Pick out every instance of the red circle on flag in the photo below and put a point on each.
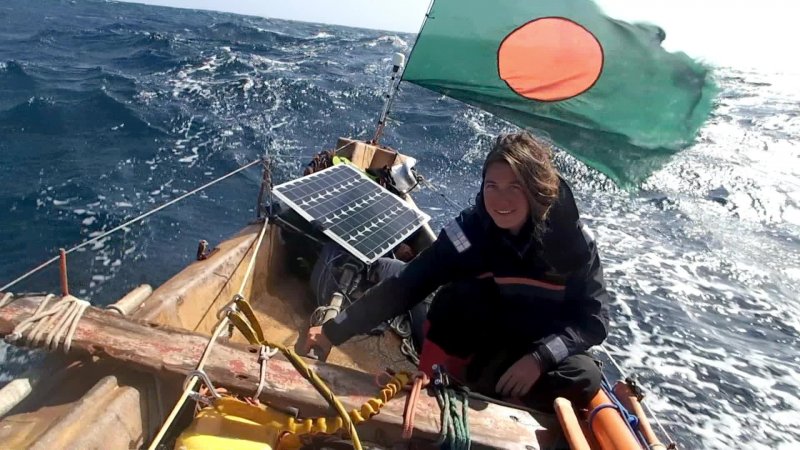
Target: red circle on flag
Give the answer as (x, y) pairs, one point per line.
(550, 59)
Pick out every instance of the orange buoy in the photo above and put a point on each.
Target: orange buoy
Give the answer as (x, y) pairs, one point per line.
(629, 400)
(608, 425)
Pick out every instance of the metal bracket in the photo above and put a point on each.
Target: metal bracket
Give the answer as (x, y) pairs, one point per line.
(199, 373)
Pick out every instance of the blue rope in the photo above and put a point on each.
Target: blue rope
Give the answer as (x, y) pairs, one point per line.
(597, 410)
(630, 419)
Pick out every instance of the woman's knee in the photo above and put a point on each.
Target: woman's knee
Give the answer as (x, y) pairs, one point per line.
(585, 376)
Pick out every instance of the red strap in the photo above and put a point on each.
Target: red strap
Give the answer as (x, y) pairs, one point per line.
(421, 380)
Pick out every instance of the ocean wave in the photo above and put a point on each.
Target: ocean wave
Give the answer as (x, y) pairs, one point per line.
(16, 85)
(393, 40)
(13, 77)
(91, 113)
(238, 33)
(322, 35)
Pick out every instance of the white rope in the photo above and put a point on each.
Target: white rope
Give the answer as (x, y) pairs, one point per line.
(613, 361)
(625, 375)
(189, 388)
(264, 354)
(27, 323)
(7, 297)
(58, 323)
(442, 194)
(126, 224)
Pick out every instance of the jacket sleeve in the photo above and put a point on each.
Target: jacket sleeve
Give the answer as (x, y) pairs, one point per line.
(588, 325)
(433, 267)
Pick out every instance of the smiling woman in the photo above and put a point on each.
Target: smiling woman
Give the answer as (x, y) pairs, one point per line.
(522, 295)
(519, 182)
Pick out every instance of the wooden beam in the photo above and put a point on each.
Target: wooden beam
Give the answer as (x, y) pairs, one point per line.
(168, 351)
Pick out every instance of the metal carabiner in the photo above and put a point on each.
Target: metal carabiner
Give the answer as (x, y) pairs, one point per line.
(230, 307)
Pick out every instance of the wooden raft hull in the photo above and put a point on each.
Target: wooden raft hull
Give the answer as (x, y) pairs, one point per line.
(123, 375)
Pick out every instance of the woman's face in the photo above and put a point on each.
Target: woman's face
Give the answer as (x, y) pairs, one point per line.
(504, 197)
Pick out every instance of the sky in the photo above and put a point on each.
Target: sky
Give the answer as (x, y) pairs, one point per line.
(738, 33)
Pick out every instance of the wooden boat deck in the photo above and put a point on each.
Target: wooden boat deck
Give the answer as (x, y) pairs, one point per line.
(124, 376)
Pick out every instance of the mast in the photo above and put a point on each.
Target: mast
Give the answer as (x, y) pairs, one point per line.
(398, 63)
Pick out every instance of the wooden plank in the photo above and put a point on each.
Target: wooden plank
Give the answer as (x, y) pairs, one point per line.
(169, 351)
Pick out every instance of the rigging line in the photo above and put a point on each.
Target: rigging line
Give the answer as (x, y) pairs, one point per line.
(416, 39)
(221, 325)
(445, 197)
(130, 222)
(625, 375)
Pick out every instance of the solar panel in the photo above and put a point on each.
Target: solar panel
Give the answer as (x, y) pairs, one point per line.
(353, 210)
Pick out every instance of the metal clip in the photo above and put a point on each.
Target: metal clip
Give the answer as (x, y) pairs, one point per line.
(230, 307)
(204, 399)
(199, 373)
(440, 378)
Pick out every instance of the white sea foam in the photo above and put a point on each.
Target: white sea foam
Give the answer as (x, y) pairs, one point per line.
(394, 40)
(322, 35)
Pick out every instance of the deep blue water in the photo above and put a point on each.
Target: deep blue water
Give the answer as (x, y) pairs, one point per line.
(109, 109)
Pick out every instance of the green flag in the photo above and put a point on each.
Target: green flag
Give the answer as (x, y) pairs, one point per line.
(601, 89)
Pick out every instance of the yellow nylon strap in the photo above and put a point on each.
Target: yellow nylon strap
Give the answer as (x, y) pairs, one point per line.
(245, 327)
(247, 310)
(246, 322)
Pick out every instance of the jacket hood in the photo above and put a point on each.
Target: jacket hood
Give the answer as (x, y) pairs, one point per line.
(563, 245)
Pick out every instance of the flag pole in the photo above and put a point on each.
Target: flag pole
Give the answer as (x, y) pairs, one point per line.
(398, 64)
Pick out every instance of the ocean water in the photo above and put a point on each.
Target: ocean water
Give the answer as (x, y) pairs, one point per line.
(109, 109)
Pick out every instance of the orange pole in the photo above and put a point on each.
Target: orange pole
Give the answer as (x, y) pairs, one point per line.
(629, 400)
(570, 425)
(609, 427)
(64, 282)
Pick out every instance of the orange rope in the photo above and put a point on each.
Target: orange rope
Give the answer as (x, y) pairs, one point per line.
(421, 380)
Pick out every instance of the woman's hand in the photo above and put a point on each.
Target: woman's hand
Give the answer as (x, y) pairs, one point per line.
(520, 377)
(316, 339)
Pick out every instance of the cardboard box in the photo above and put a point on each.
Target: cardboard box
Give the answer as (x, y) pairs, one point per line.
(367, 156)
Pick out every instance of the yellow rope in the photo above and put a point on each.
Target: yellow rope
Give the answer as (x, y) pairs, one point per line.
(284, 431)
(247, 323)
(357, 416)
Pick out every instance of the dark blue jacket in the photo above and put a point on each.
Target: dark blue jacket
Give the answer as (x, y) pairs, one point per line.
(552, 293)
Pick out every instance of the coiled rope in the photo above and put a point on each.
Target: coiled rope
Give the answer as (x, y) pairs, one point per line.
(454, 405)
(58, 322)
(7, 298)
